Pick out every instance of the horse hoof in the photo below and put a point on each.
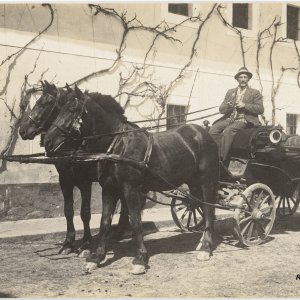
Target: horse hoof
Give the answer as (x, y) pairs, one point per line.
(84, 253)
(138, 270)
(203, 256)
(65, 251)
(90, 266)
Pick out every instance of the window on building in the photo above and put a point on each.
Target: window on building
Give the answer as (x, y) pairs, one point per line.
(242, 15)
(292, 23)
(179, 9)
(175, 115)
(291, 124)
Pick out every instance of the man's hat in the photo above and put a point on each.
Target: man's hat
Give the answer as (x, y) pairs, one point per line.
(243, 70)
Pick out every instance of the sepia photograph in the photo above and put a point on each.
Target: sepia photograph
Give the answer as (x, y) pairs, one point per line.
(149, 149)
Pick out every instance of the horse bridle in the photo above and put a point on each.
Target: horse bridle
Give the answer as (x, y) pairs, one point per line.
(76, 118)
(42, 126)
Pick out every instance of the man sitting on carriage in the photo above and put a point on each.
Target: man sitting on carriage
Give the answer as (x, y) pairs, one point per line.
(241, 108)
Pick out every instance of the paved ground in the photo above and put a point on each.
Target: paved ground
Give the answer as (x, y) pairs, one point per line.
(31, 267)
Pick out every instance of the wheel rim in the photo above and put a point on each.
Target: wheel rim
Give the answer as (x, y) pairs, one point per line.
(256, 219)
(186, 216)
(287, 204)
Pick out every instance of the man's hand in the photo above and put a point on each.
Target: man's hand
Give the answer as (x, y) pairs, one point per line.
(240, 105)
(231, 103)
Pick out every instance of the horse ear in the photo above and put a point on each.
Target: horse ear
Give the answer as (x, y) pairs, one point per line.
(77, 90)
(68, 87)
(47, 84)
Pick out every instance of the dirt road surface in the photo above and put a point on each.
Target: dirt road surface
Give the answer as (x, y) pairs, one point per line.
(33, 268)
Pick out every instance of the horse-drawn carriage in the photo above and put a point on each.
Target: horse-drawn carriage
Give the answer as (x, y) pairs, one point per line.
(262, 167)
(261, 181)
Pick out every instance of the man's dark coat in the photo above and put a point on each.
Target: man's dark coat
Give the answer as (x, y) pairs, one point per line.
(253, 105)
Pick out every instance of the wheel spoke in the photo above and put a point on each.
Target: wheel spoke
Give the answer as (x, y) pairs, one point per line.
(189, 219)
(279, 203)
(179, 208)
(259, 196)
(293, 200)
(289, 205)
(283, 205)
(245, 220)
(262, 191)
(256, 231)
(246, 227)
(199, 211)
(195, 217)
(249, 203)
(264, 201)
(184, 214)
(249, 234)
(260, 226)
(249, 213)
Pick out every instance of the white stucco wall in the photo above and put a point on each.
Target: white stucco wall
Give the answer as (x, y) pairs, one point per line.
(68, 52)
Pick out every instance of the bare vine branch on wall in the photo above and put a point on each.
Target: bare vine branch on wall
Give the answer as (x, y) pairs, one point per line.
(264, 34)
(25, 91)
(236, 30)
(35, 38)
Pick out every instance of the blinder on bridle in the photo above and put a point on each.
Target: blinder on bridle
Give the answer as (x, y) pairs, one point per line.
(49, 112)
(73, 129)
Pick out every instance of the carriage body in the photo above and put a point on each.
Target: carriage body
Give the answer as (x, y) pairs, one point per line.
(267, 155)
(260, 182)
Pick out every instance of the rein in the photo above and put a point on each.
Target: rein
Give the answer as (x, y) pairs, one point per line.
(99, 136)
(171, 117)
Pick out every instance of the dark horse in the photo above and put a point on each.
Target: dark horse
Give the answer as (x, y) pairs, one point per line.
(186, 154)
(39, 120)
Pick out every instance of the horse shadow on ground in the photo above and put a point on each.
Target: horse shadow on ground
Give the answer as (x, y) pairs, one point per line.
(177, 242)
(186, 242)
(181, 242)
(6, 295)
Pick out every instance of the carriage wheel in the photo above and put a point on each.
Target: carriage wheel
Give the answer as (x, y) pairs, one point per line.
(288, 201)
(187, 216)
(255, 220)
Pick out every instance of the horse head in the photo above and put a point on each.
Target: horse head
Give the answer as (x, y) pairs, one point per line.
(44, 112)
(67, 125)
(84, 114)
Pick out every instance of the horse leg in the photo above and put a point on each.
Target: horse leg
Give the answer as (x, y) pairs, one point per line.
(109, 201)
(206, 243)
(85, 213)
(123, 223)
(134, 202)
(67, 190)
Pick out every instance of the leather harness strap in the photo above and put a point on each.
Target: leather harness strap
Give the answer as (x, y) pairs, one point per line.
(148, 150)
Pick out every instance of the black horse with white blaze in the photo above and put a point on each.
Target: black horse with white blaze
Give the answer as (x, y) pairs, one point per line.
(186, 154)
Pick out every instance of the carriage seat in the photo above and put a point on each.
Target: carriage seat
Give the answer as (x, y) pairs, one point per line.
(250, 142)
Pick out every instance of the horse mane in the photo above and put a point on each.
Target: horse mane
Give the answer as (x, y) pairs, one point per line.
(108, 103)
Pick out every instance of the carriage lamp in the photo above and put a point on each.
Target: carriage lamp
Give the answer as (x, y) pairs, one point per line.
(275, 136)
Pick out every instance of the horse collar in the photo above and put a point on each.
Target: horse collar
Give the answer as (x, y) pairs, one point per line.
(148, 150)
(112, 145)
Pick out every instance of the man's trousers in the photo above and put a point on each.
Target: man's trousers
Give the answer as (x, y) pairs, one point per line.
(223, 133)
